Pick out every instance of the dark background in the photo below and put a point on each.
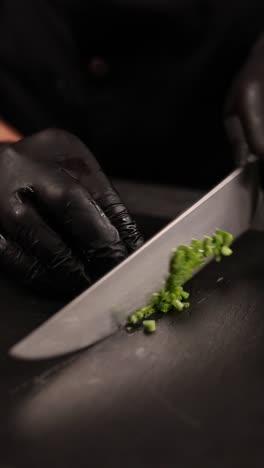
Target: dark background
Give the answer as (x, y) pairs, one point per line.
(152, 110)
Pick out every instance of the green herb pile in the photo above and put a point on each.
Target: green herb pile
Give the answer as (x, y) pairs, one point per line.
(185, 260)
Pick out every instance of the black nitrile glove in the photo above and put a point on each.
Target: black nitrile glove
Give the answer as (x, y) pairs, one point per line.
(62, 224)
(244, 110)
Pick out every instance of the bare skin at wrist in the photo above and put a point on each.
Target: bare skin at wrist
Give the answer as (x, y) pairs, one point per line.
(8, 133)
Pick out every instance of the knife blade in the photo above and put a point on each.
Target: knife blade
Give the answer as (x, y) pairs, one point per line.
(103, 308)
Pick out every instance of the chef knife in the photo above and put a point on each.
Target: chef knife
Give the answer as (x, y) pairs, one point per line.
(103, 308)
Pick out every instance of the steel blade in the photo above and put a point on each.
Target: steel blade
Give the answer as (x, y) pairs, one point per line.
(104, 307)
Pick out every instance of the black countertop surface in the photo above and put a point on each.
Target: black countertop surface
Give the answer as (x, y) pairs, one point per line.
(190, 395)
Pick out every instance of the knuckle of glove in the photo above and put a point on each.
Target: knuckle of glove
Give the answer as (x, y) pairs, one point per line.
(18, 213)
(15, 221)
(52, 136)
(57, 194)
(69, 148)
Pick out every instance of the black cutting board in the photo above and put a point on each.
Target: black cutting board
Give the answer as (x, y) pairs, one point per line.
(192, 395)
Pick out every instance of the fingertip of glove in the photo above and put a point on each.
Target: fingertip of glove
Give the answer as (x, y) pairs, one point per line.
(132, 237)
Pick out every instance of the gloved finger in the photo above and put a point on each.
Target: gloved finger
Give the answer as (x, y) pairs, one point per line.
(251, 112)
(237, 139)
(27, 270)
(119, 216)
(26, 227)
(105, 195)
(85, 225)
(246, 99)
(79, 163)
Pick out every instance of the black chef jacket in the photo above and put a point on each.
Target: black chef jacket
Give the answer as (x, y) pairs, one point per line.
(142, 82)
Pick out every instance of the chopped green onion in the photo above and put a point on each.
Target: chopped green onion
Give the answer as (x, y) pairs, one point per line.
(184, 261)
(226, 251)
(178, 305)
(140, 314)
(149, 326)
(133, 319)
(185, 294)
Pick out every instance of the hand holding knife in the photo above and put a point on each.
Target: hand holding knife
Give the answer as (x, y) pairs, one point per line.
(231, 206)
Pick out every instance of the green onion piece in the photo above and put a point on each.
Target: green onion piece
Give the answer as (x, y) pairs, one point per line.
(218, 238)
(185, 294)
(164, 307)
(149, 326)
(140, 314)
(208, 251)
(197, 244)
(226, 251)
(133, 318)
(149, 310)
(178, 305)
(155, 299)
(184, 261)
(226, 236)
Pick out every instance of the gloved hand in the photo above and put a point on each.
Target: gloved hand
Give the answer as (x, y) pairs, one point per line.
(62, 224)
(244, 110)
